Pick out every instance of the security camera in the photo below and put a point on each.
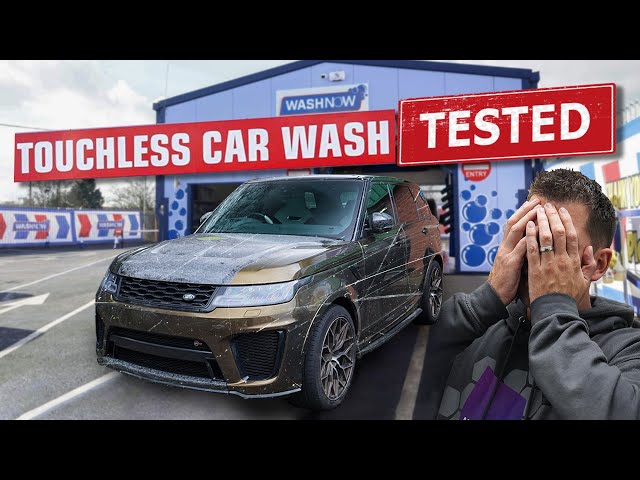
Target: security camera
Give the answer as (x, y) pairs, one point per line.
(323, 76)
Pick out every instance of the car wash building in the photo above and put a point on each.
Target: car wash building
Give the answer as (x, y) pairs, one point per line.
(484, 194)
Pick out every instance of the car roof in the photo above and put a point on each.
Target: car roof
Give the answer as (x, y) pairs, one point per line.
(330, 177)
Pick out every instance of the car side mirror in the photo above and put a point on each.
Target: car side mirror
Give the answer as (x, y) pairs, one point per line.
(204, 217)
(380, 222)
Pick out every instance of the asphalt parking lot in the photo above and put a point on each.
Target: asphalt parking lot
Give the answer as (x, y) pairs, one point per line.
(48, 367)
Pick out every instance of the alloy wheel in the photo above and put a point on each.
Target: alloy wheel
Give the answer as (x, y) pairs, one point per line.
(435, 291)
(338, 358)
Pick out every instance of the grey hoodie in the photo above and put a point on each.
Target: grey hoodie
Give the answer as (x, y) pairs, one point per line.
(487, 361)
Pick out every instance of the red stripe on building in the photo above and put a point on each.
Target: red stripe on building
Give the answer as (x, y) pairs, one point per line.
(3, 226)
(611, 171)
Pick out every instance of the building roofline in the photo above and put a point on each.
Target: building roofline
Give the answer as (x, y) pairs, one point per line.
(523, 73)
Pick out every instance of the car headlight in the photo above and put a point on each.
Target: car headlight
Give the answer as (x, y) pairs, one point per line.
(109, 283)
(256, 295)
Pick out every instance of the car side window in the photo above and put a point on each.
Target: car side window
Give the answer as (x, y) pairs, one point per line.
(405, 204)
(426, 206)
(379, 200)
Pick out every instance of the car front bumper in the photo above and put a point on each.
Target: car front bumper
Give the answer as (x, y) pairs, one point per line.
(232, 358)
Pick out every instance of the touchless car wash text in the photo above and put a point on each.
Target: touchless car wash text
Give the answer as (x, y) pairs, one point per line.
(209, 141)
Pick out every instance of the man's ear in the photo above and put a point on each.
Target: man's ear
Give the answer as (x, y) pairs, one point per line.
(602, 258)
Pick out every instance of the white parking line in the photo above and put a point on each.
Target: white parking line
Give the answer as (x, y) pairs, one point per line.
(31, 414)
(407, 403)
(43, 329)
(55, 275)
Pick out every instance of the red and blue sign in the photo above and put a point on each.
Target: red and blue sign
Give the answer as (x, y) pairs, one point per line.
(100, 225)
(35, 226)
(41, 226)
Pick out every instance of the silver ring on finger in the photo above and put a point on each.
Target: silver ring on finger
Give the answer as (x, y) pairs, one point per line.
(547, 248)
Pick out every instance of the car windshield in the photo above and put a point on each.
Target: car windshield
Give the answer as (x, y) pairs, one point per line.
(313, 207)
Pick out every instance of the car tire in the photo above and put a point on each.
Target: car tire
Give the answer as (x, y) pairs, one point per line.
(432, 294)
(326, 377)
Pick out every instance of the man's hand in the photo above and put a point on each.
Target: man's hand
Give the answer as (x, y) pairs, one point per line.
(558, 270)
(505, 274)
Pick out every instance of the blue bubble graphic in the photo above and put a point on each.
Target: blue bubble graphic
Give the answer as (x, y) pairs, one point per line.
(473, 212)
(473, 255)
(473, 187)
(481, 199)
(493, 228)
(179, 225)
(180, 194)
(465, 194)
(173, 234)
(492, 255)
(170, 213)
(508, 213)
(494, 193)
(175, 205)
(183, 212)
(495, 213)
(479, 236)
(466, 226)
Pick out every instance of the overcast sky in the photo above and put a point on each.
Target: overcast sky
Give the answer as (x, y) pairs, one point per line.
(53, 94)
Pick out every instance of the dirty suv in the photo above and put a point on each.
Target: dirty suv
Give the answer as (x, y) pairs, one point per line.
(278, 292)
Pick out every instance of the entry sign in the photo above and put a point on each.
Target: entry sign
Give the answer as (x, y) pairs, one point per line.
(547, 122)
(476, 172)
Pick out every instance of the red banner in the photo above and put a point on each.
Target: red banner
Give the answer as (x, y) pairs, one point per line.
(292, 142)
(547, 122)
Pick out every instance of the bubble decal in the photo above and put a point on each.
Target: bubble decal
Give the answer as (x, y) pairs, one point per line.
(473, 255)
(474, 213)
(493, 228)
(479, 235)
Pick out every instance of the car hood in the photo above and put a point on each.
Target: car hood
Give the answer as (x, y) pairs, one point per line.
(234, 258)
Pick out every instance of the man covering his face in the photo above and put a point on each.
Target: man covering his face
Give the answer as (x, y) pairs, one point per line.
(531, 343)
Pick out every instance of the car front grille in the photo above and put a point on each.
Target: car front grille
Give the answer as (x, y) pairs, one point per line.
(171, 365)
(258, 354)
(206, 367)
(159, 339)
(169, 295)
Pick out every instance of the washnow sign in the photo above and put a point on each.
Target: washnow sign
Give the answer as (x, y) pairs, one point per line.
(343, 98)
(295, 142)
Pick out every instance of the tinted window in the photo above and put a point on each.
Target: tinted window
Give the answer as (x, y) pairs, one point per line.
(294, 207)
(405, 205)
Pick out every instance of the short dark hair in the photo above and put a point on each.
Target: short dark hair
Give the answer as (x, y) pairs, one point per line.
(563, 185)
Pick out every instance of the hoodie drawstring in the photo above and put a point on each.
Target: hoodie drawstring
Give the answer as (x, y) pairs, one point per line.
(500, 375)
